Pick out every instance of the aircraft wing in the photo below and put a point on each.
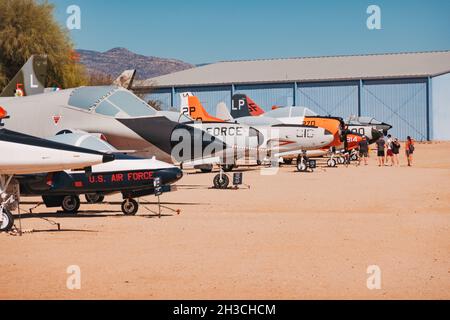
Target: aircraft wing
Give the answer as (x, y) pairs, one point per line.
(28, 154)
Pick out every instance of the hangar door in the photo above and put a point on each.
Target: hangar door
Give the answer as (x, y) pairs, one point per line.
(267, 96)
(162, 97)
(334, 98)
(401, 103)
(208, 96)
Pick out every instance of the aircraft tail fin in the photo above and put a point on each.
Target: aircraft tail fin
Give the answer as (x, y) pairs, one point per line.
(126, 79)
(243, 106)
(184, 106)
(222, 112)
(253, 108)
(191, 104)
(30, 80)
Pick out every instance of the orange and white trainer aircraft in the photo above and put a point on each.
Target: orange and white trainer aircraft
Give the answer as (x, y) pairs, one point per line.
(275, 138)
(346, 136)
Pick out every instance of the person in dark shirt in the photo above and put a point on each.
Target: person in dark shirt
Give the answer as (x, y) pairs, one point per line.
(409, 150)
(396, 150)
(363, 150)
(380, 153)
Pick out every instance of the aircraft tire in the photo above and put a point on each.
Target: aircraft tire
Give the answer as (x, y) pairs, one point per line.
(341, 160)
(93, 198)
(354, 157)
(130, 207)
(301, 166)
(221, 183)
(71, 204)
(7, 221)
(331, 163)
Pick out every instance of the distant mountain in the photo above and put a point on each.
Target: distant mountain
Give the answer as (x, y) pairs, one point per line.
(113, 62)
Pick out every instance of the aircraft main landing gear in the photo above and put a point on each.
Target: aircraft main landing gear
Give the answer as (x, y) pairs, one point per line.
(6, 220)
(354, 157)
(71, 204)
(8, 202)
(130, 207)
(331, 163)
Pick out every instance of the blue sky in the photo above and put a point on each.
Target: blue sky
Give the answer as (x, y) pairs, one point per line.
(201, 31)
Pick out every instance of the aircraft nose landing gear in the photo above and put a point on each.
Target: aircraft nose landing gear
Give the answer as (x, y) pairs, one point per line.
(221, 181)
(303, 164)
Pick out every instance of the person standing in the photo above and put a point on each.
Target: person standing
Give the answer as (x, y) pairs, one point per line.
(363, 150)
(389, 153)
(409, 146)
(395, 151)
(380, 153)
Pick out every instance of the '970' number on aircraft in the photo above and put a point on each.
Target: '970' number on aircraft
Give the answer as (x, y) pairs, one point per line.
(309, 123)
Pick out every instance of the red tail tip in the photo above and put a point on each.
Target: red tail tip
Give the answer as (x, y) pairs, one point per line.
(3, 113)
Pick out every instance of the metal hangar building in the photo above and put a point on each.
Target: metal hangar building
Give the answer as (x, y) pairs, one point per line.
(411, 91)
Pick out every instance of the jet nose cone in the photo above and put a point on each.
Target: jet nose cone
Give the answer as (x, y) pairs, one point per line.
(170, 175)
(178, 173)
(385, 128)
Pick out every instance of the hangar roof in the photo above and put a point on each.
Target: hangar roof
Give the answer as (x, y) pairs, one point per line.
(310, 69)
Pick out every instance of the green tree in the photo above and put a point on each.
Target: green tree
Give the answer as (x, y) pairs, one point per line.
(28, 27)
(2, 77)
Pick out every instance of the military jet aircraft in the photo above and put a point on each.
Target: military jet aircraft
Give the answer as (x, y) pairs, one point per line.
(355, 124)
(126, 121)
(129, 175)
(24, 154)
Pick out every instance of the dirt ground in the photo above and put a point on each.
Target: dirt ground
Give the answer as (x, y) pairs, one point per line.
(288, 236)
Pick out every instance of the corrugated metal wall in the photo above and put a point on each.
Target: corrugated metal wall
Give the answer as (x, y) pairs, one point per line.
(440, 87)
(401, 103)
(269, 95)
(162, 96)
(337, 99)
(208, 96)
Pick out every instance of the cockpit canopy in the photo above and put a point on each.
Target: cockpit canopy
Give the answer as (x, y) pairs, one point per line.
(362, 120)
(287, 112)
(84, 140)
(110, 101)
